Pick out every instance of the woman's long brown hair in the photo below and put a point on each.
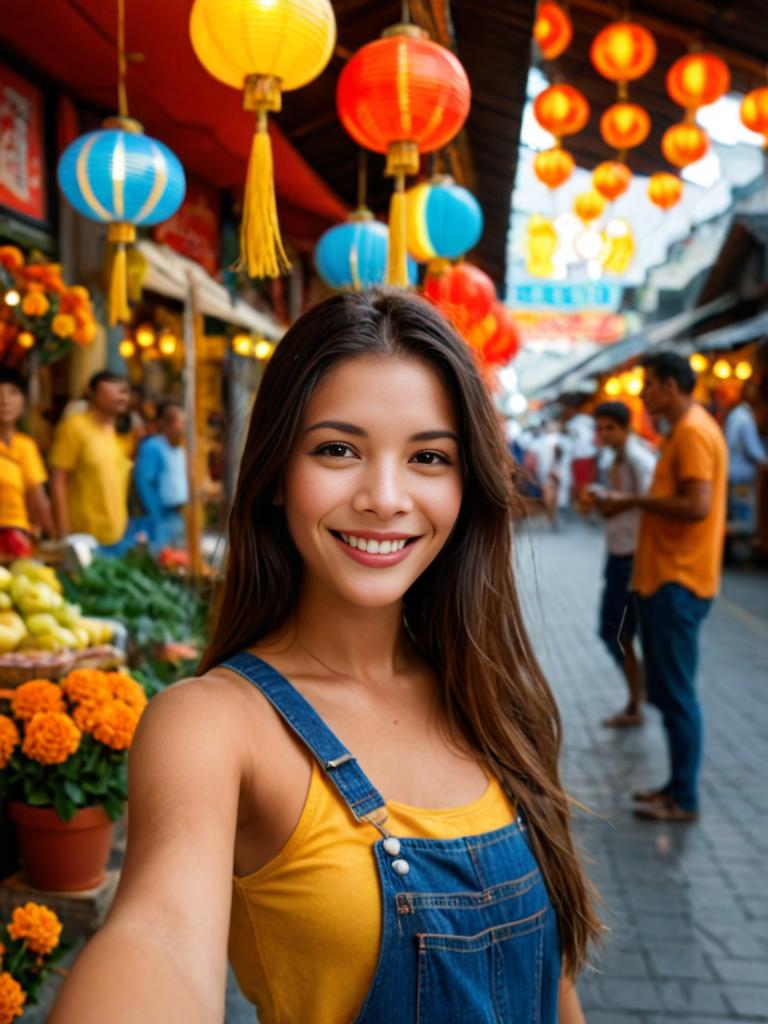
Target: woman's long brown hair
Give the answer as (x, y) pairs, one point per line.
(463, 612)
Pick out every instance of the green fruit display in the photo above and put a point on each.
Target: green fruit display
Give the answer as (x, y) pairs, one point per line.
(6, 578)
(5, 601)
(12, 630)
(36, 571)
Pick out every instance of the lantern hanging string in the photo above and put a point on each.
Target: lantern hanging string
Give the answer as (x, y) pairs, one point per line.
(362, 178)
(122, 61)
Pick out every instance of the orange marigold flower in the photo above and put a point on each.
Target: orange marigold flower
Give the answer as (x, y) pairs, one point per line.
(35, 696)
(127, 690)
(12, 998)
(63, 325)
(86, 714)
(50, 737)
(11, 257)
(85, 332)
(9, 739)
(36, 925)
(115, 724)
(87, 685)
(35, 304)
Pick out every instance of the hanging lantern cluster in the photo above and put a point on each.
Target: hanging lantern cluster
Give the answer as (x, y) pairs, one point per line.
(444, 220)
(353, 256)
(402, 95)
(560, 110)
(693, 81)
(264, 48)
(552, 30)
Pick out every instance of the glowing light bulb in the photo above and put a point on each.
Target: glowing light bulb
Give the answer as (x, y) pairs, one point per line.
(167, 344)
(263, 349)
(145, 336)
(613, 387)
(12, 298)
(722, 369)
(126, 348)
(743, 370)
(26, 339)
(698, 363)
(241, 344)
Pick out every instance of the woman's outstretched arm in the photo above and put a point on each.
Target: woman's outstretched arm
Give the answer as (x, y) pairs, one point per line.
(569, 1007)
(161, 955)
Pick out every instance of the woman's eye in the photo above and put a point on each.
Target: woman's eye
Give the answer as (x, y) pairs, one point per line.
(431, 459)
(335, 450)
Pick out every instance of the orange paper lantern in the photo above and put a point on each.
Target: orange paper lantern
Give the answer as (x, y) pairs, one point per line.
(504, 343)
(553, 167)
(611, 179)
(754, 111)
(665, 189)
(463, 292)
(684, 144)
(588, 205)
(561, 110)
(625, 125)
(552, 30)
(623, 51)
(697, 79)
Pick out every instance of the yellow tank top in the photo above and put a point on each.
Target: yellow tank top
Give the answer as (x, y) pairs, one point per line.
(305, 928)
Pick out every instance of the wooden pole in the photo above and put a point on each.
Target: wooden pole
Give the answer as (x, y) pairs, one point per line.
(193, 326)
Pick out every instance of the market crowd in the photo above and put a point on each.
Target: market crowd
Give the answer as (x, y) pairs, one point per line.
(111, 473)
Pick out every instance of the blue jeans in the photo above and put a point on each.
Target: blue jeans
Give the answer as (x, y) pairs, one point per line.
(670, 621)
(618, 610)
(468, 930)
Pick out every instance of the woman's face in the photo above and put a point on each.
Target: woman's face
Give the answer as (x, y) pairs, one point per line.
(374, 485)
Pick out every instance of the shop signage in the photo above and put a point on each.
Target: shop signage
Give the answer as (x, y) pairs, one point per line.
(193, 231)
(589, 295)
(22, 181)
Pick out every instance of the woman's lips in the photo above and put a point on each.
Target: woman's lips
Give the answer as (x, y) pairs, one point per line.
(372, 559)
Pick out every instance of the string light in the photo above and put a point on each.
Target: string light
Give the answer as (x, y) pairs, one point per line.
(26, 339)
(743, 370)
(12, 297)
(167, 344)
(698, 363)
(263, 349)
(126, 348)
(145, 336)
(613, 387)
(242, 344)
(722, 369)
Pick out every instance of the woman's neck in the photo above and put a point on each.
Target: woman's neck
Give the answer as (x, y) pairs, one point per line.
(7, 430)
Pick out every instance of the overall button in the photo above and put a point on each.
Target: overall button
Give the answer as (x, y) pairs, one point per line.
(400, 866)
(392, 845)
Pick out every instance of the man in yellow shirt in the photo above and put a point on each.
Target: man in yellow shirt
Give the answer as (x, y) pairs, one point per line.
(89, 471)
(677, 570)
(24, 503)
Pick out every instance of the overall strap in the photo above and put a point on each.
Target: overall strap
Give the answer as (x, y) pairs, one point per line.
(360, 795)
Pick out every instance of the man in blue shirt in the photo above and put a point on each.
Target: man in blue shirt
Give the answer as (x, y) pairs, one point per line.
(746, 452)
(160, 479)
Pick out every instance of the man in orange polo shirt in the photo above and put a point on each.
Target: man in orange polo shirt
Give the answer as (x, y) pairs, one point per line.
(677, 570)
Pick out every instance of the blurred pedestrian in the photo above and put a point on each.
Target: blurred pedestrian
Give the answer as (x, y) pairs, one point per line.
(629, 471)
(746, 453)
(160, 479)
(89, 470)
(24, 504)
(130, 426)
(677, 570)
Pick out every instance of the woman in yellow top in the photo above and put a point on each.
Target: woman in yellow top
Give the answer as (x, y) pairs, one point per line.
(24, 504)
(371, 749)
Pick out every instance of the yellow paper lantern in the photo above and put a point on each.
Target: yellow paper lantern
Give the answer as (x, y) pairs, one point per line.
(265, 47)
(722, 369)
(698, 363)
(588, 205)
(743, 370)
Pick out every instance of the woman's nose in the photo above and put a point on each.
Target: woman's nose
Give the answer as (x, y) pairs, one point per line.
(383, 490)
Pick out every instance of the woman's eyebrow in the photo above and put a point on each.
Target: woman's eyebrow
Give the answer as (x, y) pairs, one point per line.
(351, 428)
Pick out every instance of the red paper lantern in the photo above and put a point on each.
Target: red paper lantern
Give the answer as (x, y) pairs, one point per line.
(754, 111)
(611, 179)
(665, 189)
(588, 205)
(697, 79)
(684, 144)
(553, 167)
(561, 110)
(552, 30)
(463, 292)
(623, 51)
(504, 344)
(625, 125)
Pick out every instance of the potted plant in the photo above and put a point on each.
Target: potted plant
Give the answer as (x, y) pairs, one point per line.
(29, 946)
(63, 767)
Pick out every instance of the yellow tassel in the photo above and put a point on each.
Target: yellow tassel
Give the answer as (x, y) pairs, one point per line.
(261, 247)
(119, 235)
(397, 253)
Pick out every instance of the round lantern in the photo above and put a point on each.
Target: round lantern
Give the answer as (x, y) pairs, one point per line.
(698, 79)
(623, 51)
(464, 293)
(541, 244)
(265, 47)
(754, 111)
(553, 167)
(665, 189)
(684, 144)
(444, 220)
(121, 177)
(611, 179)
(402, 95)
(561, 110)
(588, 205)
(552, 30)
(625, 125)
(354, 255)
(504, 343)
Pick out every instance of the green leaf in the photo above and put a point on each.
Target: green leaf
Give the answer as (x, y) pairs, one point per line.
(74, 792)
(63, 805)
(37, 796)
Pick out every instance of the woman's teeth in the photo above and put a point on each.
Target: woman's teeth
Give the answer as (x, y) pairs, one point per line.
(373, 547)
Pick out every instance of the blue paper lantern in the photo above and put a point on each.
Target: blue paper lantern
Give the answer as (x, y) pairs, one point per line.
(445, 220)
(121, 177)
(354, 254)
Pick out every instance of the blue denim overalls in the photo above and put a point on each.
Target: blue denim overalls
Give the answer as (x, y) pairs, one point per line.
(468, 931)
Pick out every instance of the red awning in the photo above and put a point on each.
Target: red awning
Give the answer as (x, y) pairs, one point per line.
(73, 43)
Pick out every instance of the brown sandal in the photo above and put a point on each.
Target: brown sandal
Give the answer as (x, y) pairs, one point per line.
(623, 720)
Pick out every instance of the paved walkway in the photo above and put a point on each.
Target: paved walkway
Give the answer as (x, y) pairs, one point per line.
(687, 905)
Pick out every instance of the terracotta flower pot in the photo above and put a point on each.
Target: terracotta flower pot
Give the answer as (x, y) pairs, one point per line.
(62, 856)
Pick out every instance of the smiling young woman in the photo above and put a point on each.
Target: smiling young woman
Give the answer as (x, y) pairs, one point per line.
(371, 744)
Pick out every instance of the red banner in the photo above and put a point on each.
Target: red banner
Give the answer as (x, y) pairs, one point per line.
(22, 182)
(193, 230)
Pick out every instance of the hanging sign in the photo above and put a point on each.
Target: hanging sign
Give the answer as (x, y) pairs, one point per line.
(591, 295)
(193, 231)
(22, 181)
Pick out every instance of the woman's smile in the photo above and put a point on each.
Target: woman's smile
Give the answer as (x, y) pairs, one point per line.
(376, 550)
